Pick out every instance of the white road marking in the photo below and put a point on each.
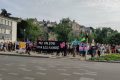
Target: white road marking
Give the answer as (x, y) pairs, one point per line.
(87, 73)
(61, 69)
(65, 74)
(83, 78)
(76, 73)
(22, 65)
(15, 74)
(29, 78)
(24, 69)
(8, 64)
(91, 73)
(41, 68)
(41, 73)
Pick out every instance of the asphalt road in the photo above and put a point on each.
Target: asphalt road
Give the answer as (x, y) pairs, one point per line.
(28, 68)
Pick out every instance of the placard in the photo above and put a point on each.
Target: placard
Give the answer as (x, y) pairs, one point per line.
(50, 45)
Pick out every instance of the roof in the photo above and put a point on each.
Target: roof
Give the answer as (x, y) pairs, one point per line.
(12, 18)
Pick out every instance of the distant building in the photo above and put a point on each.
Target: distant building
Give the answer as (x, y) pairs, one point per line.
(75, 28)
(50, 35)
(8, 29)
(47, 27)
(88, 30)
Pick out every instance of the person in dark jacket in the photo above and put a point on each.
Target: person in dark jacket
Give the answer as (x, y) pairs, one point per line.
(28, 48)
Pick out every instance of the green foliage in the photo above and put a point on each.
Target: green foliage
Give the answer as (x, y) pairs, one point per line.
(63, 29)
(103, 35)
(114, 39)
(109, 57)
(71, 37)
(5, 13)
(32, 30)
(20, 29)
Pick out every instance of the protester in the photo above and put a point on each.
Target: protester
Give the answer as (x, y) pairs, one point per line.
(82, 49)
(1, 46)
(91, 51)
(74, 50)
(102, 49)
(65, 48)
(87, 47)
(98, 50)
(28, 48)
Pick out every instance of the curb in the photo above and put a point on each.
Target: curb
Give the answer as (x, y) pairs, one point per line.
(105, 61)
(24, 55)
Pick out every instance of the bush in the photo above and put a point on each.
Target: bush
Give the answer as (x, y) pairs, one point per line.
(109, 57)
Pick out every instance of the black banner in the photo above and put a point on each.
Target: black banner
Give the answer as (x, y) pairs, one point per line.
(50, 45)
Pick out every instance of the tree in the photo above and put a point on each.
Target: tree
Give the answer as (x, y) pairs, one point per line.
(5, 13)
(89, 36)
(98, 36)
(72, 37)
(114, 39)
(102, 34)
(32, 30)
(20, 29)
(63, 29)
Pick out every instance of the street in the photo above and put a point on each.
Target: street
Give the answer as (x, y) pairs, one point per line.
(29, 68)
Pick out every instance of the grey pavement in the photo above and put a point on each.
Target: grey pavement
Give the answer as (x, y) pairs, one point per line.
(30, 68)
(33, 54)
(41, 55)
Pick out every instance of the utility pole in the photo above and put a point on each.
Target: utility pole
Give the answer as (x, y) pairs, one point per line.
(24, 35)
(86, 47)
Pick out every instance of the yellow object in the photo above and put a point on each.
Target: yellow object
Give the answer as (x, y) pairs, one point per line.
(22, 45)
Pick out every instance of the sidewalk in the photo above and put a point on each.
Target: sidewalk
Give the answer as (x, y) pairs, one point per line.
(77, 57)
(42, 55)
(25, 55)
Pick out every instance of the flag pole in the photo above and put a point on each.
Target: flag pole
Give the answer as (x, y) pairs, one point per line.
(86, 47)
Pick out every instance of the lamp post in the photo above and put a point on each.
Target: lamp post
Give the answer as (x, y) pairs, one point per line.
(24, 34)
(87, 44)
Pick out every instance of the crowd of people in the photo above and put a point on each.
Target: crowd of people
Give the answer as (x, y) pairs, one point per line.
(81, 49)
(93, 49)
(7, 46)
(15, 46)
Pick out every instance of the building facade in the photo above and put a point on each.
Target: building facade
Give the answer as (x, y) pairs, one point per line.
(77, 29)
(8, 29)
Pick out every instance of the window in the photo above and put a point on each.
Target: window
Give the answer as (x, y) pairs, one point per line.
(10, 23)
(2, 21)
(5, 22)
(8, 31)
(3, 31)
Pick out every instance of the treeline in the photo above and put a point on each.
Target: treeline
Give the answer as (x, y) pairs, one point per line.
(106, 36)
(30, 29)
(63, 30)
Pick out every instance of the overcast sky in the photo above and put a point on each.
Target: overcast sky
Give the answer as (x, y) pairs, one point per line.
(93, 13)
